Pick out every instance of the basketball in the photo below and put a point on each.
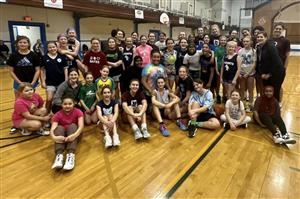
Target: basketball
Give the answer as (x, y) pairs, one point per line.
(219, 109)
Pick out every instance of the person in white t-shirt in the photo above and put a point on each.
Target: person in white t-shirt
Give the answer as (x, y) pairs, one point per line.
(235, 114)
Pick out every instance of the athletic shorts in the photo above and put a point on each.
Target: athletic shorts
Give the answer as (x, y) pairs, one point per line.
(205, 117)
(16, 85)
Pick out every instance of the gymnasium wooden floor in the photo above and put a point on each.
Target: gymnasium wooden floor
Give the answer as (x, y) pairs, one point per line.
(220, 164)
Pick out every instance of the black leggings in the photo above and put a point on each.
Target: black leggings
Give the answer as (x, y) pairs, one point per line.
(271, 121)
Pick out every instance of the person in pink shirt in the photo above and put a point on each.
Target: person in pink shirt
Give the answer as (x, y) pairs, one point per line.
(144, 50)
(67, 125)
(29, 113)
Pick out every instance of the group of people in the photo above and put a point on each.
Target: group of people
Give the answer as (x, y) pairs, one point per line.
(139, 76)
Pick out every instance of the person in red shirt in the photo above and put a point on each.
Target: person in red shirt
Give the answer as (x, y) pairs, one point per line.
(95, 59)
(67, 125)
(29, 113)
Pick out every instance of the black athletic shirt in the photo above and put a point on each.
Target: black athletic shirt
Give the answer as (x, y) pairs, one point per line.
(230, 68)
(54, 69)
(24, 65)
(127, 57)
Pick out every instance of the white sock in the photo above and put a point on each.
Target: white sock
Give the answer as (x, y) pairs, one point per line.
(143, 126)
(134, 127)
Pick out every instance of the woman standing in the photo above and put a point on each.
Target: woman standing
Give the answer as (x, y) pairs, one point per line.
(269, 65)
(169, 59)
(144, 50)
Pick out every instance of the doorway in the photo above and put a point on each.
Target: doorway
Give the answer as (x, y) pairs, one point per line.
(33, 31)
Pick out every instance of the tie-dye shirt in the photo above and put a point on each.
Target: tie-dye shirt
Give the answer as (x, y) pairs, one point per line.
(152, 72)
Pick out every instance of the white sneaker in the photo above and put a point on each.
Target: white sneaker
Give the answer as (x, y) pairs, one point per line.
(288, 140)
(43, 132)
(145, 132)
(277, 138)
(116, 140)
(25, 132)
(107, 141)
(47, 125)
(58, 162)
(137, 134)
(70, 162)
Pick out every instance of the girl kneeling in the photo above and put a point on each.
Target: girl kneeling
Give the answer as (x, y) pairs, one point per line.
(29, 114)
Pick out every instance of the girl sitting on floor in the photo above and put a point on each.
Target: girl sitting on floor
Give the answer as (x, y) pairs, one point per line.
(67, 125)
(166, 104)
(235, 114)
(267, 114)
(108, 111)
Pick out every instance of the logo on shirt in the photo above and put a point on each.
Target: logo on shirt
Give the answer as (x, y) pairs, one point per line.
(24, 62)
(107, 111)
(59, 60)
(94, 60)
(90, 93)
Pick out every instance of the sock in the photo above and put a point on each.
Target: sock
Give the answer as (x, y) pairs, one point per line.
(135, 127)
(199, 124)
(143, 126)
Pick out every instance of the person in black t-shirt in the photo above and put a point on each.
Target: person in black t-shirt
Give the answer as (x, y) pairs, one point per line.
(207, 62)
(128, 53)
(24, 65)
(133, 72)
(54, 72)
(184, 89)
(114, 59)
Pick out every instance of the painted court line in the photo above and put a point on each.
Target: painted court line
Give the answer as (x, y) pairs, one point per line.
(177, 181)
(261, 143)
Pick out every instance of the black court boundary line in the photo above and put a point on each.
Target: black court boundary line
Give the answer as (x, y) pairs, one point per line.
(194, 166)
(7, 145)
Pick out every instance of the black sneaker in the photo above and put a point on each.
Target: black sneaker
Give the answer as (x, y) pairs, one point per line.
(287, 139)
(226, 126)
(224, 99)
(191, 130)
(244, 126)
(219, 99)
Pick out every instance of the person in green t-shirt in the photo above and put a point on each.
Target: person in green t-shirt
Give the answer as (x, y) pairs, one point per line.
(88, 100)
(219, 54)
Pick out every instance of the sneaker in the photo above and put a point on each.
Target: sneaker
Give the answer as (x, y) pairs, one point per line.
(25, 132)
(43, 132)
(287, 139)
(226, 126)
(47, 125)
(191, 129)
(138, 134)
(116, 140)
(244, 126)
(219, 99)
(107, 141)
(277, 138)
(164, 131)
(181, 125)
(145, 132)
(224, 100)
(58, 162)
(70, 162)
(13, 130)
